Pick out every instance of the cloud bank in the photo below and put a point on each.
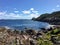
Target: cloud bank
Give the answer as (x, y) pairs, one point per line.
(25, 14)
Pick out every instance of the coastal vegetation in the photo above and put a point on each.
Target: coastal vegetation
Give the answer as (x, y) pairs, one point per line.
(29, 36)
(52, 18)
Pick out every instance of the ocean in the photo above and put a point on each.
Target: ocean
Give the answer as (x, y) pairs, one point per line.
(23, 23)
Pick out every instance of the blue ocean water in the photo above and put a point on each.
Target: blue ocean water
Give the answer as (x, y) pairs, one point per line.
(23, 23)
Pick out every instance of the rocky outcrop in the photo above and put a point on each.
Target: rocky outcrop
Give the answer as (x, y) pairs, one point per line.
(29, 36)
(53, 18)
(14, 37)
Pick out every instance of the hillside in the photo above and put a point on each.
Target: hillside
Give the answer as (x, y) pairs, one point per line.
(53, 18)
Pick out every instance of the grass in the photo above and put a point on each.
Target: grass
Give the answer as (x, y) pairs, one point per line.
(47, 39)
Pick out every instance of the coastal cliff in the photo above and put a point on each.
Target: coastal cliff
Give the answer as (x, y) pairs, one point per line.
(53, 18)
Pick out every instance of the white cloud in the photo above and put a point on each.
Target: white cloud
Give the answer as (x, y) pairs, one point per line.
(5, 15)
(32, 9)
(16, 11)
(26, 12)
(2, 13)
(33, 15)
(31, 12)
(58, 6)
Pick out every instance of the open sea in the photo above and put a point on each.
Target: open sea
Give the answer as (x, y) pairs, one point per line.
(23, 23)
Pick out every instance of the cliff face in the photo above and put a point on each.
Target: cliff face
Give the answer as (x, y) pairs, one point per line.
(53, 18)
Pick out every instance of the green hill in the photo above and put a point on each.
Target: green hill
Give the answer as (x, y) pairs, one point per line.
(53, 18)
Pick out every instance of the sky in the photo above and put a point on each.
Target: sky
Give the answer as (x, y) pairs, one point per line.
(27, 9)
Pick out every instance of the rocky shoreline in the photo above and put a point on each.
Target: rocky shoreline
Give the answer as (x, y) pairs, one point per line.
(51, 18)
(29, 36)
